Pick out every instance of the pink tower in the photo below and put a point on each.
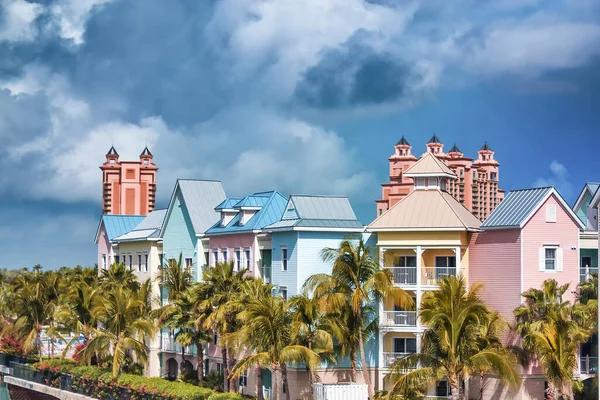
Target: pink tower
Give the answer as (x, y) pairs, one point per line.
(129, 187)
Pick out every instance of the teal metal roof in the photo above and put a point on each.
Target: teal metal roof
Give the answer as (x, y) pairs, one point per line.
(272, 210)
(228, 203)
(117, 225)
(149, 228)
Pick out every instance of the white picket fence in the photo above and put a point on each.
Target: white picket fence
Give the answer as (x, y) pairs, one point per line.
(340, 391)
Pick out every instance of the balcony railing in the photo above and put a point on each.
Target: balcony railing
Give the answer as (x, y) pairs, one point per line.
(399, 318)
(588, 365)
(265, 273)
(585, 273)
(389, 358)
(429, 275)
(168, 344)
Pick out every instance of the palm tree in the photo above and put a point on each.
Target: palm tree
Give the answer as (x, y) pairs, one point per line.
(219, 286)
(33, 309)
(313, 328)
(266, 323)
(118, 275)
(174, 277)
(124, 326)
(452, 344)
(553, 330)
(355, 283)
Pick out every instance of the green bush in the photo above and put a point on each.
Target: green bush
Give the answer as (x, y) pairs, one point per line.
(226, 396)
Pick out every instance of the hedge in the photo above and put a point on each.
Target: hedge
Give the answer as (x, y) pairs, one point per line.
(99, 383)
(226, 396)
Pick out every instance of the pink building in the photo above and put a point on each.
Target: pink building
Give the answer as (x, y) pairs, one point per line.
(128, 187)
(475, 184)
(532, 236)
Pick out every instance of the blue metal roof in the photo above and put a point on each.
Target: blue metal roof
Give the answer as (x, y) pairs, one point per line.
(117, 225)
(228, 203)
(255, 200)
(516, 207)
(147, 229)
(271, 211)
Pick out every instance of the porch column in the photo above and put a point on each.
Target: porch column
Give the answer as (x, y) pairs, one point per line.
(381, 347)
(381, 350)
(419, 252)
(458, 258)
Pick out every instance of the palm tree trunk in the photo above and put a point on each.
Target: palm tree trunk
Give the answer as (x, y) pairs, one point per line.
(481, 385)
(551, 391)
(454, 382)
(284, 377)
(275, 390)
(38, 339)
(232, 381)
(259, 384)
(200, 361)
(353, 373)
(365, 367)
(225, 369)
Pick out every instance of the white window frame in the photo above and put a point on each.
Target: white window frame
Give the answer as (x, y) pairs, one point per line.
(248, 258)
(146, 261)
(283, 291)
(215, 253)
(243, 379)
(237, 255)
(130, 258)
(191, 263)
(225, 255)
(104, 261)
(558, 258)
(420, 183)
(284, 260)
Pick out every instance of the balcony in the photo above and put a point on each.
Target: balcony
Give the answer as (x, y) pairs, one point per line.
(389, 358)
(265, 273)
(399, 319)
(585, 273)
(168, 344)
(588, 365)
(407, 276)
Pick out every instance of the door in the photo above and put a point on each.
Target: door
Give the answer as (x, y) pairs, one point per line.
(266, 257)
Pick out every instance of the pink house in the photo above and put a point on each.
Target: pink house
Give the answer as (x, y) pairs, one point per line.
(532, 236)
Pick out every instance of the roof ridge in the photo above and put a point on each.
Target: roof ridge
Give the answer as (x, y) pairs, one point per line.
(333, 196)
(453, 210)
(198, 180)
(266, 206)
(395, 205)
(527, 189)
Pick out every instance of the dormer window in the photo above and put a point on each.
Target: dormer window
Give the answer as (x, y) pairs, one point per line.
(227, 216)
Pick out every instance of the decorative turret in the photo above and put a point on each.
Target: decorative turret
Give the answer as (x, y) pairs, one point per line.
(455, 152)
(435, 146)
(486, 155)
(403, 148)
(146, 156)
(112, 157)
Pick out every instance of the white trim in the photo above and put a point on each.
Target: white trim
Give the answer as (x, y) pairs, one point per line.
(231, 210)
(315, 229)
(521, 244)
(586, 189)
(250, 208)
(429, 175)
(422, 230)
(551, 192)
(595, 203)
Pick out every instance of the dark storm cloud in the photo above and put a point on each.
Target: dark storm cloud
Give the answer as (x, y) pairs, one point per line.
(23, 117)
(354, 75)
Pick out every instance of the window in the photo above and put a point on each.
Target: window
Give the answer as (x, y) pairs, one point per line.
(550, 213)
(442, 389)
(380, 211)
(215, 256)
(103, 261)
(238, 259)
(215, 337)
(432, 182)
(206, 258)
(188, 263)
(139, 259)
(405, 345)
(146, 262)
(494, 176)
(244, 379)
(284, 258)
(130, 261)
(219, 367)
(283, 292)
(248, 259)
(420, 182)
(117, 258)
(550, 259)
(225, 258)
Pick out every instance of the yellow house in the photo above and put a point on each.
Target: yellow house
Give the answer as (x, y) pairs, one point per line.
(421, 238)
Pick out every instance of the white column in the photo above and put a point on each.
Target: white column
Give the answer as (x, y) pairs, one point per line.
(458, 257)
(381, 349)
(419, 252)
(381, 316)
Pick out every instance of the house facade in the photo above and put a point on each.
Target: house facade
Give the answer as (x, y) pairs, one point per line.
(423, 237)
(531, 237)
(110, 227)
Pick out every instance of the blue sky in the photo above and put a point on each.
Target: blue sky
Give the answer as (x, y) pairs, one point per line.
(303, 96)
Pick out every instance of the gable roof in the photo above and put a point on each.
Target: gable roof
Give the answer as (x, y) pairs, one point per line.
(322, 212)
(519, 206)
(596, 199)
(273, 205)
(228, 203)
(116, 225)
(429, 165)
(149, 228)
(199, 198)
(589, 188)
(426, 210)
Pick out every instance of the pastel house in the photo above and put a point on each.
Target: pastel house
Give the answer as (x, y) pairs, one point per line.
(532, 236)
(422, 238)
(110, 227)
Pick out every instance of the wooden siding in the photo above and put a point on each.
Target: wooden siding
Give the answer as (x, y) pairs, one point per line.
(495, 261)
(287, 278)
(563, 233)
(439, 238)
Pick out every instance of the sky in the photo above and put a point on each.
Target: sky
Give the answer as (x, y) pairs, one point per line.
(302, 96)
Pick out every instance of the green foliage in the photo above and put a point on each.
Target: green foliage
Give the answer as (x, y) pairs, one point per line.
(226, 396)
(214, 381)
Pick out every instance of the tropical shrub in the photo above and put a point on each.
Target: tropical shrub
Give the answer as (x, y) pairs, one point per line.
(226, 396)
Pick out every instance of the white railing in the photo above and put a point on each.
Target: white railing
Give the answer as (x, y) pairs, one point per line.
(404, 275)
(399, 318)
(389, 358)
(588, 365)
(266, 393)
(340, 391)
(430, 275)
(167, 343)
(585, 273)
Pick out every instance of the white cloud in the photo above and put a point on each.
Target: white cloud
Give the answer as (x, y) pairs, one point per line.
(559, 178)
(72, 16)
(18, 20)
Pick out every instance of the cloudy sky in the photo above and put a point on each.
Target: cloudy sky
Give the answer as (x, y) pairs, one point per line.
(303, 96)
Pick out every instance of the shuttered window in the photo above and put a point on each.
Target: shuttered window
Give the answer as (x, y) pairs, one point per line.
(551, 259)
